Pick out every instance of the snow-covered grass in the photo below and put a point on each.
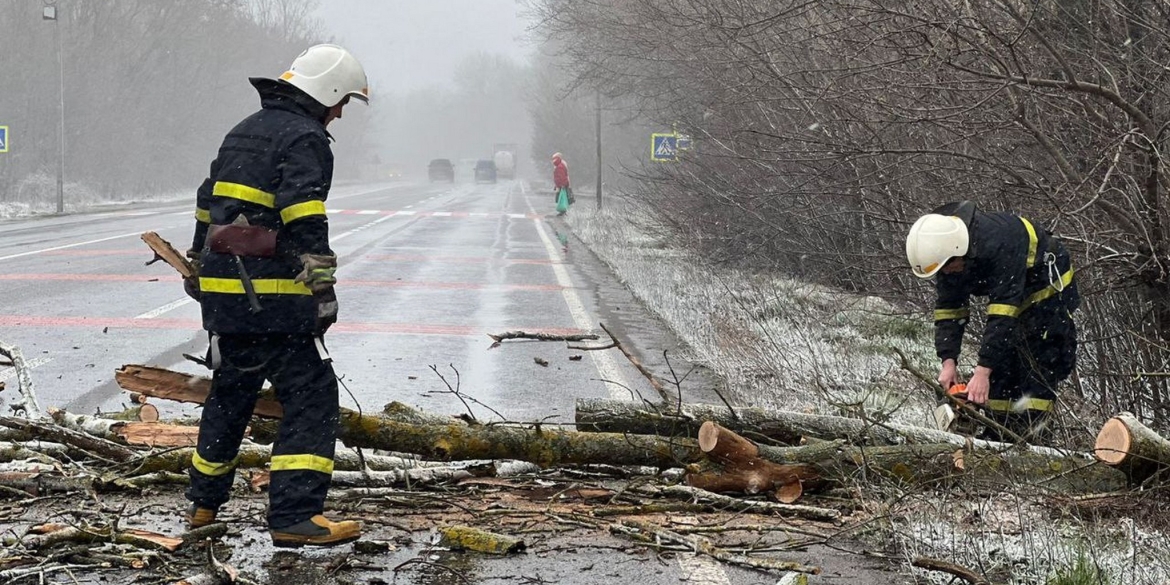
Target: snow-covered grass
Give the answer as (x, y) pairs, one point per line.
(776, 342)
(780, 343)
(37, 194)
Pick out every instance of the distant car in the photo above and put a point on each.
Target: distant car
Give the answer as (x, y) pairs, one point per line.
(441, 169)
(485, 171)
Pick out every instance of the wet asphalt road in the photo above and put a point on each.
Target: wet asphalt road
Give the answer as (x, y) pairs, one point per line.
(426, 272)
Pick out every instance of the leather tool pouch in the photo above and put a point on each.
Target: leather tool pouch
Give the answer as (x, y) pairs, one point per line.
(242, 240)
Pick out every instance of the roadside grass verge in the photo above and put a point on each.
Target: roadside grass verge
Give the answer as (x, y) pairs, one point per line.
(779, 343)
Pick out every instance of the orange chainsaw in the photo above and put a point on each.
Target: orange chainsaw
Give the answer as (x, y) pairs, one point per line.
(946, 418)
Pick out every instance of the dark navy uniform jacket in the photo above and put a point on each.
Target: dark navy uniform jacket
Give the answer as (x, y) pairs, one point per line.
(1025, 273)
(274, 169)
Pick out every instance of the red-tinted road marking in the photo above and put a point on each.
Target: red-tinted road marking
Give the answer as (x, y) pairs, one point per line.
(345, 282)
(192, 324)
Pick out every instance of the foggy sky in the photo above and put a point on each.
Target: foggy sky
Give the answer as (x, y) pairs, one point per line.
(407, 44)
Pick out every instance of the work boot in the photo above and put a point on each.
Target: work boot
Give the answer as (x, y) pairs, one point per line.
(198, 517)
(317, 531)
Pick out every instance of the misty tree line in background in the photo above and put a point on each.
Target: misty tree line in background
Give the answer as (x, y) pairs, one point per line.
(824, 128)
(150, 89)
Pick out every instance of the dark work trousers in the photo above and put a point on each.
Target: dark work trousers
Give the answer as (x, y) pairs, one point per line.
(302, 457)
(1023, 390)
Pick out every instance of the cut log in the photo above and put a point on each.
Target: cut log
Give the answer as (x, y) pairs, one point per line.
(743, 470)
(1127, 444)
(615, 416)
(155, 434)
(180, 387)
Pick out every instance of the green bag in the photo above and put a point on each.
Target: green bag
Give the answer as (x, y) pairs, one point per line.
(562, 201)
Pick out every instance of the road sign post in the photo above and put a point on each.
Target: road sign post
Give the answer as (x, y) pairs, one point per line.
(3, 138)
(664, 147)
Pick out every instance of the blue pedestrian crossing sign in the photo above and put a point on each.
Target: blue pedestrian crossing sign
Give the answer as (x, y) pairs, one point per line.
(664, 147)
(3, 138)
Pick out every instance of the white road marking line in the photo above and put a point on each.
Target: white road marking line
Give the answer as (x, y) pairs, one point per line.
(66, 246)
(7, 374)
(405, 213)
(606, 368)
(441, 214)
(519, 215)
(151, 314)
(369, 212)
(409, 206)
(360, 228)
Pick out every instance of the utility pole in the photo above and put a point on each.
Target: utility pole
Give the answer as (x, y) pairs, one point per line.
(598, 148)
(50, 13)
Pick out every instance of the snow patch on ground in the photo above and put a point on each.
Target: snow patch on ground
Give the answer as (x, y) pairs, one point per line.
(37, 195)
(776, 342)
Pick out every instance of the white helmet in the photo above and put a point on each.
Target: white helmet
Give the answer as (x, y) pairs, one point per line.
(328, 73)
(933, 240)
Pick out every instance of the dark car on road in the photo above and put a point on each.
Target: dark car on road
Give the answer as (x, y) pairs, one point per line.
(485, 171)
(441, 169)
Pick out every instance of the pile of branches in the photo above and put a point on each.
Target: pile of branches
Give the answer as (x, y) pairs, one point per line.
(639, 458)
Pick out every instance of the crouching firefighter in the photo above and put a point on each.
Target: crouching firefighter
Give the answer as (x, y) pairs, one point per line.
(265, 283)
(1029, 340)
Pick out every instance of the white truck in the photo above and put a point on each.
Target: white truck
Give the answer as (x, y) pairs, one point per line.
(505, 159)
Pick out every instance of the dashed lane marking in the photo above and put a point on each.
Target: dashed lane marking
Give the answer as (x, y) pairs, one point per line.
(7, 374)
(151, 314)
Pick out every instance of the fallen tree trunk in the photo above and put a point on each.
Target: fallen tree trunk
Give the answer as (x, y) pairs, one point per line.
(450, 442)
(911, 463)
(1127, 444)
(943, 464)
(615, 416)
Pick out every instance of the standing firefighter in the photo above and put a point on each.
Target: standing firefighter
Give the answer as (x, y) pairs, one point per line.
(266, 288)
(562, 192)
(1029, 341)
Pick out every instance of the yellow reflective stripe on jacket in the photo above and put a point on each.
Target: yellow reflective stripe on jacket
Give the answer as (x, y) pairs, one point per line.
(301, 462)
(1019, 405)
(945, 314)
(294, 212)
(211, 467)
(202, 215)
(244, 193)
(1032, 242)
(263, 286)
(1048, 291)
(1003, 310)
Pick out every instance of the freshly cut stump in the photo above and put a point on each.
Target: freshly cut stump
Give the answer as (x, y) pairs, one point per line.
(1127, 444)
